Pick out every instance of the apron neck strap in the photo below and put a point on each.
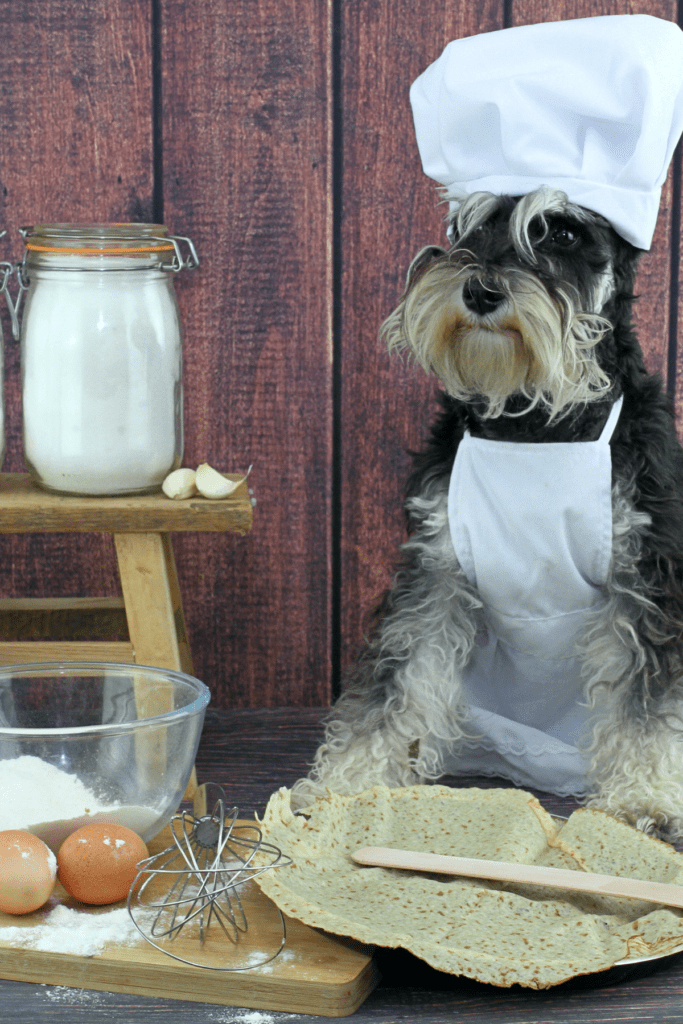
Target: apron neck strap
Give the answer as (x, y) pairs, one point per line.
(612, 420)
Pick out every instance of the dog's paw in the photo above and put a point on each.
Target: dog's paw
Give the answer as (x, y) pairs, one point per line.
(651, 826)
(668, 828)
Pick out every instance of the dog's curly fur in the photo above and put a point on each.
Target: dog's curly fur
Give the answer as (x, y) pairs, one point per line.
(549, 287)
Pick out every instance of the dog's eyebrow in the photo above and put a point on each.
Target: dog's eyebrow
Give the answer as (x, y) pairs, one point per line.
(423, 259)
(565, 220)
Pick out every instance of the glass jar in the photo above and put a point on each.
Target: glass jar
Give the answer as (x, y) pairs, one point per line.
(101, 356)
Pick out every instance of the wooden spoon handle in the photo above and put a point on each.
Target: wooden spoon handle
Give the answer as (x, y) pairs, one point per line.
(532, 874)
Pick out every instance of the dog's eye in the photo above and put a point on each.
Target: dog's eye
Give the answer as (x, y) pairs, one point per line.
(565, 238)
(478, 229)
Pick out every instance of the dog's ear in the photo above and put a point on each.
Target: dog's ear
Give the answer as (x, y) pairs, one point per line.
(626, 259)
(424, 258)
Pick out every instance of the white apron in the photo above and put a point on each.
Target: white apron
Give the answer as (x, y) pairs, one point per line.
(532, 528)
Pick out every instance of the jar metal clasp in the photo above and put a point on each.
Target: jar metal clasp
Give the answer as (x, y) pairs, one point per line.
(6, 269)
(190, 262)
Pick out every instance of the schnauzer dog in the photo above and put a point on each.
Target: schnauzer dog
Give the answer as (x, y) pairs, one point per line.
(526, 320)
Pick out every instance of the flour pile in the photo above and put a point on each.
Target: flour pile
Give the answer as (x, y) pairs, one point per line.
(41, 798)
(83, 933)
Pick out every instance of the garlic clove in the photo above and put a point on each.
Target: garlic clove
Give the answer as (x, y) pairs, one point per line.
(212, 484)
(179, 484)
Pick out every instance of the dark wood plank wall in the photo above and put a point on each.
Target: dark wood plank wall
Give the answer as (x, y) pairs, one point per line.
(76, 144)
(247, 173)
(278, 136)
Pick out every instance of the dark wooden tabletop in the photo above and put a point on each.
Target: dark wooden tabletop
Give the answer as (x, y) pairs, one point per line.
(253, 752)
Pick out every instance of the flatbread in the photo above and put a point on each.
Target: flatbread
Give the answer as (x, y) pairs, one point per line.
(495, 933)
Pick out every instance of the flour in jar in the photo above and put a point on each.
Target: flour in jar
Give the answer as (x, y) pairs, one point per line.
(51, 803)
(102, 384)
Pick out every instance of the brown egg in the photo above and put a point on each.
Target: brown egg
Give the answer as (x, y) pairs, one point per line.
(27, 872)
(97, 863)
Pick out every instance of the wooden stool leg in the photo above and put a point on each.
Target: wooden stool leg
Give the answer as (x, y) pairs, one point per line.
(152, 599)
(153, 608)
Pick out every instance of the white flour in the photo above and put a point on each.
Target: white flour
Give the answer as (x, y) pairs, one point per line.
(72, 996)
(50, 803)
(259, 960)
(83, 933)
(231, 1016)
(101, 369)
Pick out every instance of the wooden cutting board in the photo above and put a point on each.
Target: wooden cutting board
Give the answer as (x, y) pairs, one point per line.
(316, 973)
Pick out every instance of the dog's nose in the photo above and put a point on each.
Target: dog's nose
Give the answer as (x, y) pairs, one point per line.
(481, 298)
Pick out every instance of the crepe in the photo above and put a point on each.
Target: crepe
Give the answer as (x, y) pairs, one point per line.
(496, 933)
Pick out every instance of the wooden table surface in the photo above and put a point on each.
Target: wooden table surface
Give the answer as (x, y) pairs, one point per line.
(253, 752)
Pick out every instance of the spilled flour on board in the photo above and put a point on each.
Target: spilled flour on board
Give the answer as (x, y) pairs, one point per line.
(82, 933)
(286, 956)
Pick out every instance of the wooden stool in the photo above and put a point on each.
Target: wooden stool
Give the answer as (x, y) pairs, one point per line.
(150, 615)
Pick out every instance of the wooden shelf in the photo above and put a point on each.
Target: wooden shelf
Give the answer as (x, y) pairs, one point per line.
(26, 508)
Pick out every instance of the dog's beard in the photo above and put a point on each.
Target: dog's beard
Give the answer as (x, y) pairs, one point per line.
(533, 345)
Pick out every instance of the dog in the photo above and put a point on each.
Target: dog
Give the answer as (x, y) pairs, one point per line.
(527, 320)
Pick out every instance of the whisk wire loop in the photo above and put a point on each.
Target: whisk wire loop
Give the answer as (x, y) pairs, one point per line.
(210, 859)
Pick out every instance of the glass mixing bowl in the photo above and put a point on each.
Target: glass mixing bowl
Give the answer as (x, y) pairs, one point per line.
(90, 741)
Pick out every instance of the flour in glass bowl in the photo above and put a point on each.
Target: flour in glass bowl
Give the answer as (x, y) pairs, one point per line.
(51, 803)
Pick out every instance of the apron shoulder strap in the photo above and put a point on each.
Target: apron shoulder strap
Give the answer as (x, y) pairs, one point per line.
(612, 420)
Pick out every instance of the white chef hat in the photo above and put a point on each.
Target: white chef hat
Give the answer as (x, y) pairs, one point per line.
(593, 107)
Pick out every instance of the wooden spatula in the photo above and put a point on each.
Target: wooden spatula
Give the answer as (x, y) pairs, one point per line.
(501, 871)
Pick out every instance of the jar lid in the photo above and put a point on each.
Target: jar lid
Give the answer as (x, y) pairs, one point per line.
(144, 241)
